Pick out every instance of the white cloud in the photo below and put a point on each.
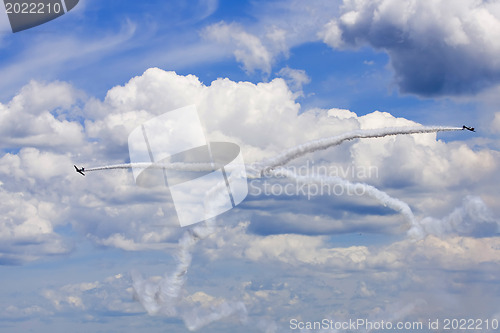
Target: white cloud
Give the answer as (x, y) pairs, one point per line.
(278, 40)
(295, 78)
(27, 229)
(332, 35)
(436, 48)
(32, 164)
(35, 117)
(248, 48)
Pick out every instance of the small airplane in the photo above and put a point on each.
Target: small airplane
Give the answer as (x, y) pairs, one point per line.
(468, 128)
(80, 171)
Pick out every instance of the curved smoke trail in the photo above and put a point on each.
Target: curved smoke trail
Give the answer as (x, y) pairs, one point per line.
(382, 197)
(324, 143)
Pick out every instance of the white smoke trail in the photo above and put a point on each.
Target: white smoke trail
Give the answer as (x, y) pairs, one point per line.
(380, 196)
(166, 166)
(165, 296)
(324, 143)
(162, 297)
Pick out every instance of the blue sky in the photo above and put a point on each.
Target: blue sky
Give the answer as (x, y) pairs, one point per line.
(88, 254)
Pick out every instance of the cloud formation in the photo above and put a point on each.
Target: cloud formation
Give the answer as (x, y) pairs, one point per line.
(278, 235)
(241, 112)
(41, 115)
(436, 48)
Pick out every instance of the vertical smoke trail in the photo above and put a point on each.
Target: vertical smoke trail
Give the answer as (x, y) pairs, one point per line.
(162, 297)
(165, 297)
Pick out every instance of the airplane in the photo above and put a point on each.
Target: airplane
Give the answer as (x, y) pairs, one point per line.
(468, 128)
(80, 171)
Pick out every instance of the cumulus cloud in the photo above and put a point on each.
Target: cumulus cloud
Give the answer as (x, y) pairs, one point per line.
(41, 115)
(27, 229)
(436, 48)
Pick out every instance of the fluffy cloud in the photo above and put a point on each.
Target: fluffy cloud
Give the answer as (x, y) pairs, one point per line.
(28, 215)
(27, 230)
(41, 115)
(437, 48)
